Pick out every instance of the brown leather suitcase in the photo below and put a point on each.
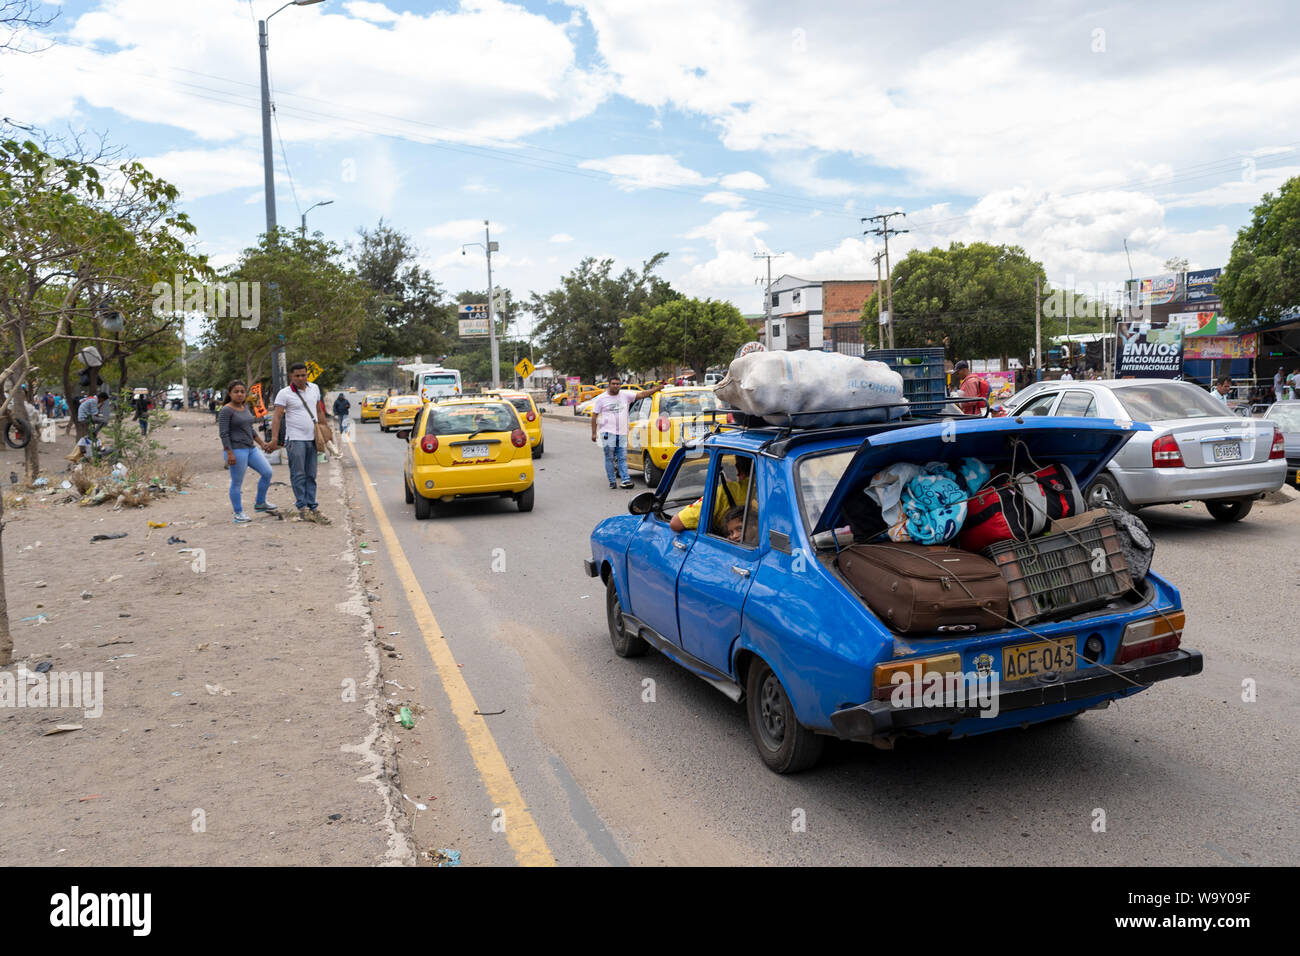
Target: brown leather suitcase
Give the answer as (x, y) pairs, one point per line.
(916, 588)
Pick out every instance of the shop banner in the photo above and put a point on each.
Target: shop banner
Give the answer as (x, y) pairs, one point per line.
(1002, 385)
(1221, 347)
(1145, 352)
(1196, 323)
(1200, 285)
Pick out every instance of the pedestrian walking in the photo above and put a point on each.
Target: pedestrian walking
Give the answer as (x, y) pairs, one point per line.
(609, 418)
(298, 405)
(342, 408)
(141, 404)
(243, 447)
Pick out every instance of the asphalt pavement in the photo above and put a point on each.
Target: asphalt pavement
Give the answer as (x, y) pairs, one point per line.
(637, 762)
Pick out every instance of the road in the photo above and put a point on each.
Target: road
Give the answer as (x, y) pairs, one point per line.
(637, 762)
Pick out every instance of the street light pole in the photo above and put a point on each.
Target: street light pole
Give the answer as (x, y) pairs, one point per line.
(492, 314)
(324, 202)
(279, 374)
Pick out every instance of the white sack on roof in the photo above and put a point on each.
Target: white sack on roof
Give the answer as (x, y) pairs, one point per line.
(775, 385)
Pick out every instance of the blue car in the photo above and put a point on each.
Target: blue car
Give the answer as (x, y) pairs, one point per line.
(745, 591)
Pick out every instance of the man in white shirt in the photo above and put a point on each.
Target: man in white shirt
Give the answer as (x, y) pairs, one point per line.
(609, 418)
(1277, 385)
(298, 405)
(1221, 389)
(1066, 376)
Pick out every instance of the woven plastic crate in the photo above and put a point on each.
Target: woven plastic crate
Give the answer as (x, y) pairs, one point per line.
(1064, 572)
(923, 371)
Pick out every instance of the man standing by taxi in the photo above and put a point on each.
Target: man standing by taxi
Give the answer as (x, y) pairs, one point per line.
(609, 419)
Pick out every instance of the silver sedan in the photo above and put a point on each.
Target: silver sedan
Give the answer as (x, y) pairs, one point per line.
(1197, 450)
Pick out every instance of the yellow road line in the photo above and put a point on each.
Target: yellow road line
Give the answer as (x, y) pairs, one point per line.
(521, 830)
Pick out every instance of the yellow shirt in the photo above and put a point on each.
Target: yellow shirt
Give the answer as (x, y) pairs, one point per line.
(690, 515)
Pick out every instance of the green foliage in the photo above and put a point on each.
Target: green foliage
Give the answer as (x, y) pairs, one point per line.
(1261, 281)
(324, 305)
(695, 332)
(407, 314)
(976, 300)
(122, 434)
(581, 323)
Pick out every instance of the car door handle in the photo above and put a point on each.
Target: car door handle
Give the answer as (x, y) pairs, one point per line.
(743, 572)
(680, 545)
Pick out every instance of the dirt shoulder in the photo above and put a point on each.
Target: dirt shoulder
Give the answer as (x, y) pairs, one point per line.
(241, 716)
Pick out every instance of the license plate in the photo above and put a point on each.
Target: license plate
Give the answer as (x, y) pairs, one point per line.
(1026, 660)
(473, 451)
(1227, 451)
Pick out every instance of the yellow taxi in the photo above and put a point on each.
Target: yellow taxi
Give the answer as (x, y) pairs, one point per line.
(372, 405)
(400, 410)
(659, 423)
(467, 448)
(582, 393)
(532, 421)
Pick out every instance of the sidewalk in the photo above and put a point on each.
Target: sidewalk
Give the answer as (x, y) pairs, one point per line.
(241, 720)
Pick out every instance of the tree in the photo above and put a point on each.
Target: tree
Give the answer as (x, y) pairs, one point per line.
(580, 324)
(408, 315)
(1261, 281)
(976, 300)
(324, 305)
(694, 332)
(1175, 264)
(473, 356)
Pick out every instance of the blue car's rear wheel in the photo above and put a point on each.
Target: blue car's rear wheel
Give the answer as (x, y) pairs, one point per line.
(625, 645)
(785, 745)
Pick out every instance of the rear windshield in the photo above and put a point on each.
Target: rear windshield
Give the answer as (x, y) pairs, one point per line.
(688, 403)
(521, 404)
(404, 400)
(1167, 401)
(464, 419)
(440, 380)
(817, 477)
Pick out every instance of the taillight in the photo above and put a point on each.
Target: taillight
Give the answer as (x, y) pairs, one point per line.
(664, 423)
(889, 676)
(518, 438)
(1165, 453)
(1155, 635)
(531, 416)
(429, 444)
(1279, 445)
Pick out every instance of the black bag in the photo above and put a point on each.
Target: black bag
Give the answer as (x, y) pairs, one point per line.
(862, 514)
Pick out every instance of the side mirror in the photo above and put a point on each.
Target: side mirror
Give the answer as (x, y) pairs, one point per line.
(642, 504)
(404, 434)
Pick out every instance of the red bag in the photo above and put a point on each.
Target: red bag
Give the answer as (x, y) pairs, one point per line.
(1020, 508)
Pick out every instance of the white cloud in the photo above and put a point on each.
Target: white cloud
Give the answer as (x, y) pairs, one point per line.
(1246, 190)
(560, 237)
(462, 230)
(646, 170)
(722, 198)
(743, 180)
(208, 172)
(485, 71)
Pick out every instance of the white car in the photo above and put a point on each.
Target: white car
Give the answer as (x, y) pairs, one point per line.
(1197, 449)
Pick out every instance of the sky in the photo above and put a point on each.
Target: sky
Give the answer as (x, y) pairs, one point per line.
(708, 129)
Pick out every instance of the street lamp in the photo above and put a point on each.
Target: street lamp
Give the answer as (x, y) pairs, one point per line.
(278, 372)
(325, 202)
(490, 247)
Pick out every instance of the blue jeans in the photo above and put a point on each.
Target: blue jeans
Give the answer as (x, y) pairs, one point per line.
(615, 449)
(302, 473)
(246, 458)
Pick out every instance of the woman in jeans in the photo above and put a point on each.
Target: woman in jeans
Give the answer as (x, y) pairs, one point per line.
(243, 446)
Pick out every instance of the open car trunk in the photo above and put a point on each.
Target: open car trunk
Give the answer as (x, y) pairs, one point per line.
(1005, 445)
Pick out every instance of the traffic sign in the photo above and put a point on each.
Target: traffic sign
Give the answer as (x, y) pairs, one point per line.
(313, 371)
(525, 368)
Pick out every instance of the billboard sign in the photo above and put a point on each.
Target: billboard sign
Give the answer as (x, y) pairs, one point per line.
(1196, 323)
(1200, 285)
(1145, 352)
(1221, 347)
(1160, 290)
(473, 320)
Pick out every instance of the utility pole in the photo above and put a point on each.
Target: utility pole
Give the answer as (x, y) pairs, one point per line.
(492, 313)
(1038, 330)
(885, 232)
(767, 297)
(880, 301)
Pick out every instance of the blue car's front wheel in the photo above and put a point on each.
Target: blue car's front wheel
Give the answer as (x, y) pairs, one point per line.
(785, 745)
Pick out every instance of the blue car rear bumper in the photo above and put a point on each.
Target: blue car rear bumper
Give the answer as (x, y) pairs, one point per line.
(1085, 687)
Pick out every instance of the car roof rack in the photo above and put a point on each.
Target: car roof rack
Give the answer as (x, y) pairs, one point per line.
(788, 433)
